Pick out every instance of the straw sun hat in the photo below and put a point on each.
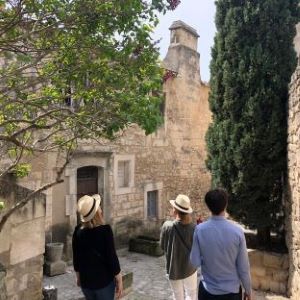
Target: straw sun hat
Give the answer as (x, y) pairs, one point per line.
(87, 207)
(182, 203)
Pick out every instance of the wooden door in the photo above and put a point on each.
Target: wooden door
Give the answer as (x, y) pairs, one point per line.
(87, 181)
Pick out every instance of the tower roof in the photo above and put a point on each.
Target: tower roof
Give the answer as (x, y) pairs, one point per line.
(181, 24)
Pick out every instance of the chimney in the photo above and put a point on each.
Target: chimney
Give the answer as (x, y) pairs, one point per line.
(182, 56)
(183, 34)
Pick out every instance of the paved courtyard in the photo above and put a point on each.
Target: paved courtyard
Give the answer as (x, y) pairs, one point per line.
(149, 281)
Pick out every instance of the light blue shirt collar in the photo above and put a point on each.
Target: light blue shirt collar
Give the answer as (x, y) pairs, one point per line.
(217, 218)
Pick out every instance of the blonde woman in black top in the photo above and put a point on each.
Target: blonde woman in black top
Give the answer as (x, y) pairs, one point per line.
(94, 256)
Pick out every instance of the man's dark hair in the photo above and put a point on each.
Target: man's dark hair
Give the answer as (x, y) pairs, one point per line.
(216, 200)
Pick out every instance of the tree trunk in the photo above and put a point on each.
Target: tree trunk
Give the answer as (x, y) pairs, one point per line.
(264, 237)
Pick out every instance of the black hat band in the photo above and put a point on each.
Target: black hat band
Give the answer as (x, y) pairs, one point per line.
(91, 210)
(181, 206)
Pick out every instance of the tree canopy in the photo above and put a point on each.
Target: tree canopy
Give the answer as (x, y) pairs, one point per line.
(252, 62)
(74, 69)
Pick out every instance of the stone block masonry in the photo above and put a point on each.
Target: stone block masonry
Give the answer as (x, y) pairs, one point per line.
(24, 280)
(269, 271)
(22, 245)
(293, 187)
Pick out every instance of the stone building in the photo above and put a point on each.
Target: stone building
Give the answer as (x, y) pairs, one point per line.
(137, 174)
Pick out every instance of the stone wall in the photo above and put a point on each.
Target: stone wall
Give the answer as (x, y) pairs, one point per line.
(269, 271)
(293, 188)
(297, 40)
(3, 294)
(22, 244)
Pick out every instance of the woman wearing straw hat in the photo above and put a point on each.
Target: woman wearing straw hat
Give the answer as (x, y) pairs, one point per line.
(94, 256)
(176, 240)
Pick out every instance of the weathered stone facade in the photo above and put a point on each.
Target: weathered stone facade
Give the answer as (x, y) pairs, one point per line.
(269, 271)
(293, 184)
(156, 168)
(161, 165)
(293, 212)
(22, 244)
(170, 161)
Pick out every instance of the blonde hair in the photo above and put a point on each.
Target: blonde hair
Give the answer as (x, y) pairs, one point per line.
(95, 221)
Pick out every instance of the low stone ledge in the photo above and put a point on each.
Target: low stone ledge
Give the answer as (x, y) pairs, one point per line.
(259, 271)
(145, 245)
(269, 271)
(256, 257)
(55, 268)
(127, 282)
(265, 283)
(273, 260)
(281, 276)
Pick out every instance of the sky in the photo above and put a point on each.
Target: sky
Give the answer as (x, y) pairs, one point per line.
(200, 15)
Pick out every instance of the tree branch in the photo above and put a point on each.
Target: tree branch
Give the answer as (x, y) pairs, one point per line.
(30, 197)
(14, 164)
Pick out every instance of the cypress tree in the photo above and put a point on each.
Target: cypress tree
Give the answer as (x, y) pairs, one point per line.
(253, 59)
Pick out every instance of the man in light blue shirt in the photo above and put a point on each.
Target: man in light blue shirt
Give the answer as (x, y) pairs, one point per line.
(219, 249)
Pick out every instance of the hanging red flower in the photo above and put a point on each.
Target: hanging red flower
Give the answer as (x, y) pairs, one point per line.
(169, 74)
(173, 4)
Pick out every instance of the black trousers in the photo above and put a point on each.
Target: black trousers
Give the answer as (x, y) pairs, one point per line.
(203, 294)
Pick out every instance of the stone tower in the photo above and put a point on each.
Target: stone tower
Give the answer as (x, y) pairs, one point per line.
(187, 111)
(182, 56)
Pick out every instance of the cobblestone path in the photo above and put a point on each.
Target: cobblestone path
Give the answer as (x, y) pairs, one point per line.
(149, 281)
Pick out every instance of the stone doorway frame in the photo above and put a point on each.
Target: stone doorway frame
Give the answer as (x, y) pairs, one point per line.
(101, 160)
